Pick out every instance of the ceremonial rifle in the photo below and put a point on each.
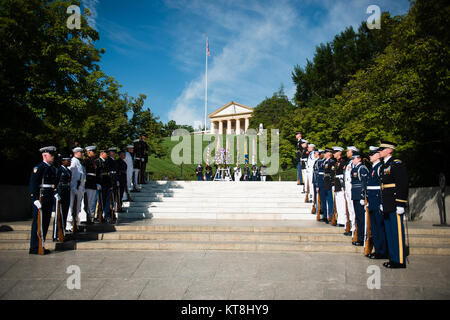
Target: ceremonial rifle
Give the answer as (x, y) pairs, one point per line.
(333, 220)
(59, 222)
(368, 234)
(307, 189)
(314, 204)
(39, 227)
(319, 205)
(355, 233)
(347, 224)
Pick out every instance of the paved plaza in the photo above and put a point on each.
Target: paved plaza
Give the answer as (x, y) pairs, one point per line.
(187, 275)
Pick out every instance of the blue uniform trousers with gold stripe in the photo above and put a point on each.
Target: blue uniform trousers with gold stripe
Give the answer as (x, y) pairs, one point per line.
(378, 233)
(395, 236)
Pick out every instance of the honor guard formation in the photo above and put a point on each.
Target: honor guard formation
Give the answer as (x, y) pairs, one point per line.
(368, 198)
(83, 189)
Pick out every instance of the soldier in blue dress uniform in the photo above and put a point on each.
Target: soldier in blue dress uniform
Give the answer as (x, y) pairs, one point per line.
(374, 202)
(42, 194)
(63, 178)
(394, 196)
(199, 172)
(359, 175)
(328, 165)
(208, 173)
(320, 183)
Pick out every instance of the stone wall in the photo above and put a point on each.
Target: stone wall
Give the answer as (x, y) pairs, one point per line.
(425, 203)
(14, 203)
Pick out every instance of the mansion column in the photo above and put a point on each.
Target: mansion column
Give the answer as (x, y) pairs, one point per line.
(247, 122)
(238, 126)
(220, 127)
(228, 126)
(213, 127)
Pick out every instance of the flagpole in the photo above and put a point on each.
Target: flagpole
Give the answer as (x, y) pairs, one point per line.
(206, 79)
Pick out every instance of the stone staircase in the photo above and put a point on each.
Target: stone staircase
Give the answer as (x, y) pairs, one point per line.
(245, 216)
(219, 200)
(245, 235)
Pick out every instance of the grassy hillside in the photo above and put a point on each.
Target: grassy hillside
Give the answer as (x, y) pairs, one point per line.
(160, 168)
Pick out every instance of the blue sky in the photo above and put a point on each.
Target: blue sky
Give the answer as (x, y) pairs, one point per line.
(158, 47)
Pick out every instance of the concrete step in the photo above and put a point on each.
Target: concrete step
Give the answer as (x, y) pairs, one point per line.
(217, 210)
(216, 205)
(334, 247)
(149, 214)
(211, 199)
(229, 236)
(219, 194)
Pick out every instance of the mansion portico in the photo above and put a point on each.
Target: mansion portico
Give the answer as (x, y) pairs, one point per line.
(232, 118)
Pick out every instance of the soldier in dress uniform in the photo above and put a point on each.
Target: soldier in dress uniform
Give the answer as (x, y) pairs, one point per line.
(137, 162)
(113, 173)
(310, 170)
(254, 173)
(104, 183)
(320, 183)
(394, 196)
(339, 194)
(315, 177)
(359, 175)
(298, 154)
(63, 178)
(199, 172)
(208, 173)
(129, 161)
(141, 154)
(348, 188)
(246, 176)
(89, 203)
(121, 177)
(262, 171)
(374, 202)
(328, 165)
(77, 186)
(42, 193)
(303, 159)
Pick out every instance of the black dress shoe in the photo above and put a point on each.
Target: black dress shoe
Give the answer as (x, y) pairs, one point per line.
(340, 225)
(347, 233)
(394, 265)
(358, 243)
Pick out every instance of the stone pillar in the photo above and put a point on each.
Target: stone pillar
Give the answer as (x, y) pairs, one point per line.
(228, 126)
(213, 127)
(247, 121)
(220, 127)
(238, 126)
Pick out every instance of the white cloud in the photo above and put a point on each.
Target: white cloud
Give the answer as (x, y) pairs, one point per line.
(254, 47)
(92, 5)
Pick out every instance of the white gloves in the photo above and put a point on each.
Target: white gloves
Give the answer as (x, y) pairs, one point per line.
(381, 207)
(99, 187)
(57, 197)
(118, 183)
(400, 210)
(37, 204)
(362, 202)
